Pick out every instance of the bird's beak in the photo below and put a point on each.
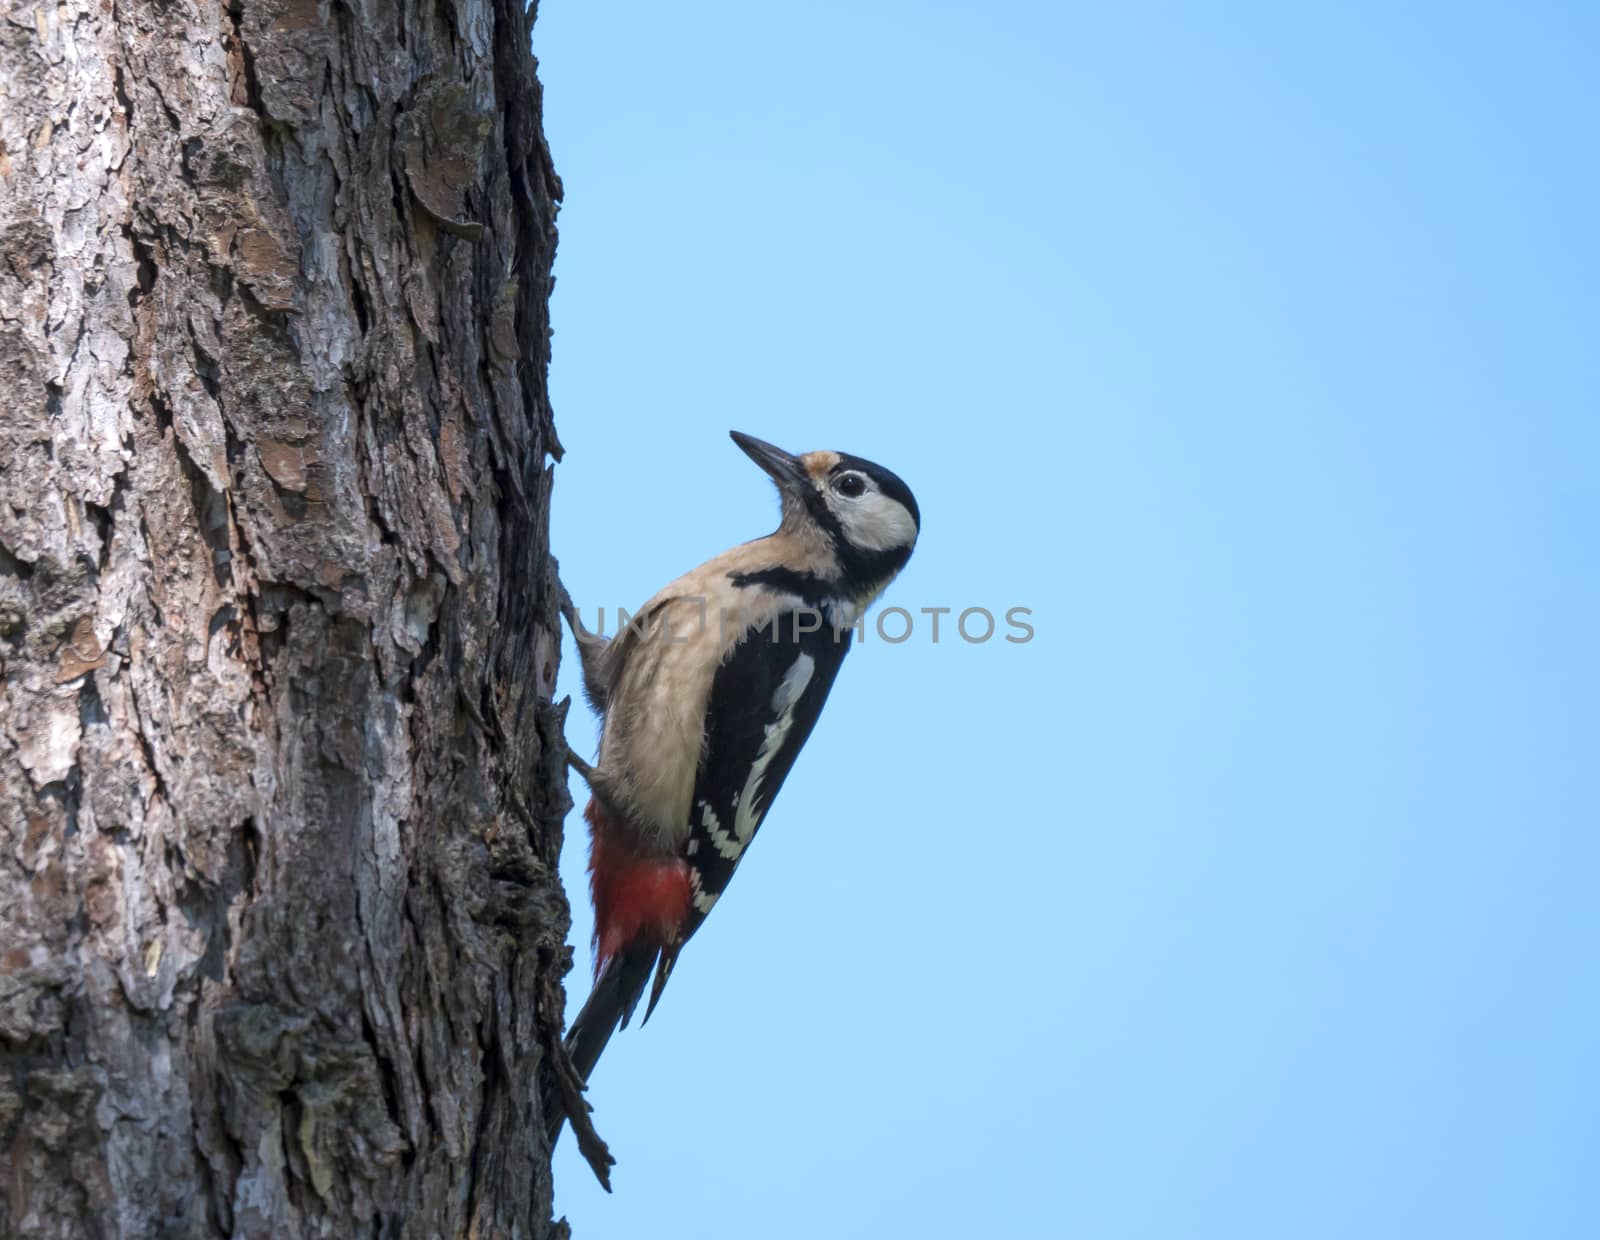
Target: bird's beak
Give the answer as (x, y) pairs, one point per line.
(785, 470)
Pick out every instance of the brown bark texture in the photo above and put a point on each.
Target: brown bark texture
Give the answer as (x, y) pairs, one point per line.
(281, 788)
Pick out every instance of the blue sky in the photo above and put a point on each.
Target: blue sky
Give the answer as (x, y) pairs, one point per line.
(1255, 352)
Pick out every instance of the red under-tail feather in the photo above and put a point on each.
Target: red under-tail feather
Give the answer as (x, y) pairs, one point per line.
(638, 902)
(640, 906)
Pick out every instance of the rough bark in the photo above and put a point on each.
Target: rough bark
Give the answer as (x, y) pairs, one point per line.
(280, 785)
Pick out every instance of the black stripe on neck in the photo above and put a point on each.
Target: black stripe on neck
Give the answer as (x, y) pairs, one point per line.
(865, 569)
(811, 589)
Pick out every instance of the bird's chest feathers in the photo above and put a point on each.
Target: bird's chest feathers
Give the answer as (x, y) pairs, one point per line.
(655, 731)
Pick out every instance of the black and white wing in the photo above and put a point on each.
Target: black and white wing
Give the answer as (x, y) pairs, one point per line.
(764, 701)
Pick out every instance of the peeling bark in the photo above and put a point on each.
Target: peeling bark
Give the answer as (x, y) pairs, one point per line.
(281, 788)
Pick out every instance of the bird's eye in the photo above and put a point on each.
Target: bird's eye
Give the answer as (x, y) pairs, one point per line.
(851, 486)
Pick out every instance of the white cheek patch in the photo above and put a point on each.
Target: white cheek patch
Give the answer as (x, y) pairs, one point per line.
(878, 523)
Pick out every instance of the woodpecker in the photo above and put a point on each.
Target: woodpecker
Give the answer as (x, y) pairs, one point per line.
(706, 698)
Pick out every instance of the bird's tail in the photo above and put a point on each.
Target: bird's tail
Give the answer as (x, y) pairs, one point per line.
(610, 1006)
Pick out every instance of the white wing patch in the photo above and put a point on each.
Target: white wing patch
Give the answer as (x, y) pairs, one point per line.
(720, 839)
(784, 699)
(703, 900)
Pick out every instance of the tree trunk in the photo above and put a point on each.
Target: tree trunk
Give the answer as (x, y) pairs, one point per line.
(281, 789)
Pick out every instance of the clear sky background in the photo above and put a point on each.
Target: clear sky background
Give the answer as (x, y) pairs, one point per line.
(1256, 350)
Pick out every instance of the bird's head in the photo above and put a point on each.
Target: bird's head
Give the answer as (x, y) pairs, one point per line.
(866, 515)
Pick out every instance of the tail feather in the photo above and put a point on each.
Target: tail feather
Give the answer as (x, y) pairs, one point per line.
(640, 905)
(610, 1006)
(669, 957)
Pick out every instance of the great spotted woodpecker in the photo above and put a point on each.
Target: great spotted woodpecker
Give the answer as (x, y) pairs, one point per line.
(707, 697)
